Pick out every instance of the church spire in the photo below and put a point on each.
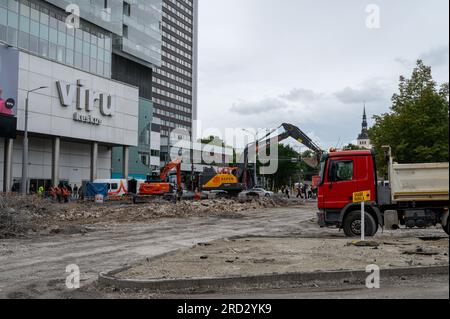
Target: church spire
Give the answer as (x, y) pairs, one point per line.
(364, 131)
(364, 123)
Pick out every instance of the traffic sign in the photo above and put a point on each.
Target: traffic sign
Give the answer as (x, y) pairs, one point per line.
(360, 197)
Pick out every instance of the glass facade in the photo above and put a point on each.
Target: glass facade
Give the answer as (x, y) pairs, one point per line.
(104, 13)
(139, 157)
(40, 28)
(141, 35)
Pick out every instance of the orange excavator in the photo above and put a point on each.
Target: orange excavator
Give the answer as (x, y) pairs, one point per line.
(159, 185)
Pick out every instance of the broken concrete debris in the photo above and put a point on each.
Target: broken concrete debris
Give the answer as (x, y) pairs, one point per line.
(33, 214)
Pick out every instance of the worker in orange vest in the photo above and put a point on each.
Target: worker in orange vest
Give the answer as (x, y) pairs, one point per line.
(198, 195)
(58, 192)
(53, 193)
(65, 194)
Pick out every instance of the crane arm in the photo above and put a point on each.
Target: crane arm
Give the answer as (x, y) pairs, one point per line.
(265, 142)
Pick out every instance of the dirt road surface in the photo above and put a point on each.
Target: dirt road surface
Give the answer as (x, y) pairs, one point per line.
(36, 267)
(265, 256)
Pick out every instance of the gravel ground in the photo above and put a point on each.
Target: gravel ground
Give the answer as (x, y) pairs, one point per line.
(259, 256)
(33, 216)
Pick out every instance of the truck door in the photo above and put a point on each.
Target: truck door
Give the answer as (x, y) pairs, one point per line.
(365, 175)
(339, 184)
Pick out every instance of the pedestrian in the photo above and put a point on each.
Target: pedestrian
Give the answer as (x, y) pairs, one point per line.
(53, 193)
(75, 191)
(41, 191)
(65, 193)
(299, 191)
(287, 192)
(58, 192)
(70, 190)
(80, 193)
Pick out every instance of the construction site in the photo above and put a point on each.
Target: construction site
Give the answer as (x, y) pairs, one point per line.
(146, 155)
(168, 243)
(160, 238)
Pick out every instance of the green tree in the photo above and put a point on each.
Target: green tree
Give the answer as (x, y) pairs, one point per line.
(212, 140)
(417, 126)
(217, 141)
(290, 168)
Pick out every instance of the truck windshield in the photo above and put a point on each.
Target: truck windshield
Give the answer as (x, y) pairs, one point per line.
(323, 163)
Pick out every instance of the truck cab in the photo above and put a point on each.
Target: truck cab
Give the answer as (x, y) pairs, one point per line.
(416, 195)
(341, 175)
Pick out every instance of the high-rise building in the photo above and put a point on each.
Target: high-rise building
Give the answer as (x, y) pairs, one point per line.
(175, 82)
(88, 83)
(135, 55)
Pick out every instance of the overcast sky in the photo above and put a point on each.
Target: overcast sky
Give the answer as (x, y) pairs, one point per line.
(312, 63)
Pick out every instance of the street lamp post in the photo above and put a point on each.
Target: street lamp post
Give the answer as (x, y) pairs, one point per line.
(255, 174)
(24, 185)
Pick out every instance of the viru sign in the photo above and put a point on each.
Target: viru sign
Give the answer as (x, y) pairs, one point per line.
(86, 99)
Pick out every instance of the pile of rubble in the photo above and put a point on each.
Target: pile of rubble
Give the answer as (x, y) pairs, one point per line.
(157, 209)
(18, 214)
(23, 215)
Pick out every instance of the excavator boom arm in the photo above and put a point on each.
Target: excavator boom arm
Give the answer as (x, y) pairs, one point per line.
(289, 131)
(166, 170)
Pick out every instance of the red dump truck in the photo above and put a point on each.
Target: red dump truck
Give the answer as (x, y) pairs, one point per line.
(415, 196)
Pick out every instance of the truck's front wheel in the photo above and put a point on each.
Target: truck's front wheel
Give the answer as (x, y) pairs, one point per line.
(352, 225)
(446, 228)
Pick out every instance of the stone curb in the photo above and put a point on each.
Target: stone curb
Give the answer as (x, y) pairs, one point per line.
(275, 280)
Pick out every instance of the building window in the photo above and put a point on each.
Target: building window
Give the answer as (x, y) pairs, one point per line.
(125, 31)
(126, 9)
(155, 153)
(145, 159)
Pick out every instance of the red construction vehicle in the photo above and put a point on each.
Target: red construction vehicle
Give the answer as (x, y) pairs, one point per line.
(159, 186)
(416, 195)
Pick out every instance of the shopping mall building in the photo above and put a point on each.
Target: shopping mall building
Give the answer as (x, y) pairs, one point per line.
(94, 76)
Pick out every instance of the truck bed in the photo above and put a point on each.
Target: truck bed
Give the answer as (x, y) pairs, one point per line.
(419, 182)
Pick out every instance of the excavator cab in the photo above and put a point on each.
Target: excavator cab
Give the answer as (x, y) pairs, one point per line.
(154, 178)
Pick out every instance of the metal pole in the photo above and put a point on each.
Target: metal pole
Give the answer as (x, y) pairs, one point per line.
(24, 185)
(256, 161)
(363, 222)
(7, 178)
(192, 168)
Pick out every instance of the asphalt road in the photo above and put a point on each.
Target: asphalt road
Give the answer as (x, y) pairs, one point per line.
(36, 267)
(425, 287)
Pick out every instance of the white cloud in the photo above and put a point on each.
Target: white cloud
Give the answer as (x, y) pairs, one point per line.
(268, 105)
(436, 57)
(373, 90)
(311, 63)
(300, 94)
